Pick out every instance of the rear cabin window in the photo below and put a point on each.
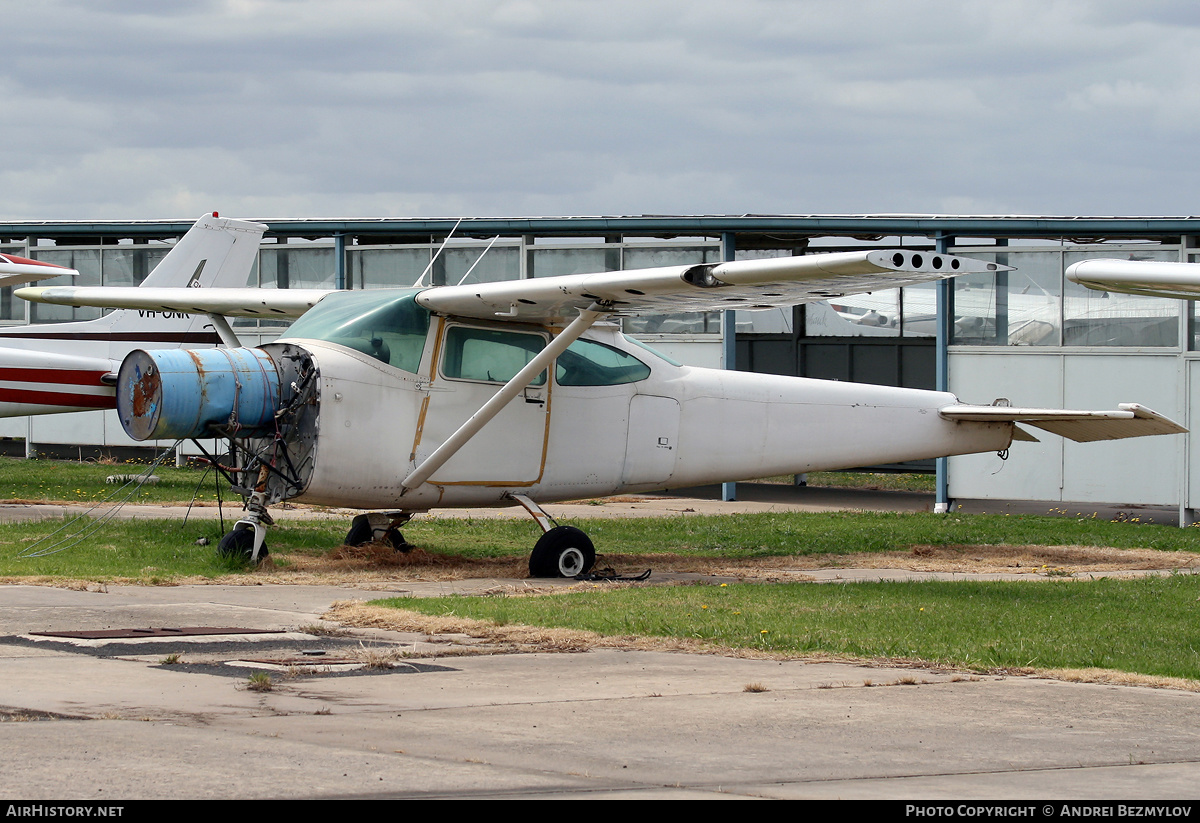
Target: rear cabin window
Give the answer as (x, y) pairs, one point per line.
(490, 355)
(588, 363)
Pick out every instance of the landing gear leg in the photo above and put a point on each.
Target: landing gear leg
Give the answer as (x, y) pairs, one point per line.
(379, 526)
(561, 551)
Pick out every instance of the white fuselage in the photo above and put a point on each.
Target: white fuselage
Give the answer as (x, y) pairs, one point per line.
(677, 426)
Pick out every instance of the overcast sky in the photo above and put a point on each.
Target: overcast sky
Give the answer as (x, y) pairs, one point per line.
(125, 109)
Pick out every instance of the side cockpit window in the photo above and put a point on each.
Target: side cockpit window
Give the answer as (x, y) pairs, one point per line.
(489, 355)
(588, 363)
(389, 327)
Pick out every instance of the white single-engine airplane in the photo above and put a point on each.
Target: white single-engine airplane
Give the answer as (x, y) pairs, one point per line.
(49, 368)
(400, 400)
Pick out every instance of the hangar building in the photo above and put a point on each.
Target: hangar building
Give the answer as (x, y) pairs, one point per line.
(1026, 335)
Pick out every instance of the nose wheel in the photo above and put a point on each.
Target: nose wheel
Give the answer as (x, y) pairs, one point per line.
(239, 543)
(248, 538)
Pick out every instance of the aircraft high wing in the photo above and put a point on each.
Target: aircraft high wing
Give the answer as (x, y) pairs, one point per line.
(48, 368)
(395, 401)
(1151, 278)
(16, 270)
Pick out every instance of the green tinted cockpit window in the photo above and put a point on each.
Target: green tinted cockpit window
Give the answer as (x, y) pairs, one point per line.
(653, 351)
(384, 323)
(490, 355)
(588, 363)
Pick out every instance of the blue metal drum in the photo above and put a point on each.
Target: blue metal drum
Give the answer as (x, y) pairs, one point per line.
(172, 394)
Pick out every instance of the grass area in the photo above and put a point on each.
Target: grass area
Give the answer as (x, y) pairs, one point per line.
(167, 547)
(1145, 626)
(803, 533)
(146, 551)
(70, 482)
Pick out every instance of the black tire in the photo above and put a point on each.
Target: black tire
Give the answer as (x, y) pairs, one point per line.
(564, 551)
(360, 533)
(239, 543)
(396, 540)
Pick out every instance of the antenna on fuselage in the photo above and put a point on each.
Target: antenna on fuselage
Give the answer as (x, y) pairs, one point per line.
(433, 259)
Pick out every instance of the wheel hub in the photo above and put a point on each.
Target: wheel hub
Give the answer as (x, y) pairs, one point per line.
(571, 562)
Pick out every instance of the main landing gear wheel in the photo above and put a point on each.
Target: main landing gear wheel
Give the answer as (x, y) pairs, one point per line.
(564, 551)
(239, 543)
(362, 532)
(396, 540)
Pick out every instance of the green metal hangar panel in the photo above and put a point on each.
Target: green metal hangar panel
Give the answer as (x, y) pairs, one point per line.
(1027, 335)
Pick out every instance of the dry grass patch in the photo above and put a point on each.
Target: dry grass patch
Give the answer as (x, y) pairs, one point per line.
(1071, 559)
(518, 638)
(529, 638)
(994, 559)
(498, 639)
(1108, 677)
(416, 564)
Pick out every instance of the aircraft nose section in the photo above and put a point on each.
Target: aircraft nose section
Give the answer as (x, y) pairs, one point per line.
(169, 394)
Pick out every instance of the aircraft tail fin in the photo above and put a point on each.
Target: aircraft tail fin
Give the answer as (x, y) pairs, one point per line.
(217, 252)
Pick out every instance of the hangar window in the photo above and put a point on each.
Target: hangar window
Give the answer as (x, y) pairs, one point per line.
(588, 363)
(1034, 305)
(87, 263)
(490, 355)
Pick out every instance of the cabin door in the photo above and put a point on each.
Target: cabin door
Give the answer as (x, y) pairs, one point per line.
(474, 364)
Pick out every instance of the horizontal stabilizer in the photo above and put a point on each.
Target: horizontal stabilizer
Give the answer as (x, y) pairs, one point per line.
(1128, 420)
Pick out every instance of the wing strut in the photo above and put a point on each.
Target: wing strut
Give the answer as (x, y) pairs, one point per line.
(224, 331)
(501, 398)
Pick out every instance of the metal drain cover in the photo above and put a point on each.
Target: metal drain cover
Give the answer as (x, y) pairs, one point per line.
(186, 631)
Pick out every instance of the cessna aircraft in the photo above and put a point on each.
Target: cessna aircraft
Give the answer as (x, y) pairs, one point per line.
(49, 368)
(399, 400)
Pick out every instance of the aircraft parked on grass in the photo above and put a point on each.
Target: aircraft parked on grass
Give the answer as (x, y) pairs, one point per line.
(399, 400)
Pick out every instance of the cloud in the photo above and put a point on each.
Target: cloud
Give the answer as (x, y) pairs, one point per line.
(570, 107)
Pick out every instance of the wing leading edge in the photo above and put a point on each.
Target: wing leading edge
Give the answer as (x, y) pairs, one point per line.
(743, 284)
(16, 270)
(228, 302)
(1152, 278)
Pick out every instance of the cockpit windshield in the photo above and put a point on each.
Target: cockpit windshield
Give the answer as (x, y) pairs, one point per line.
(384, 323)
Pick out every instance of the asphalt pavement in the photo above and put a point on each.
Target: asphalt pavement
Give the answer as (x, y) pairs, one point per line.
(174, 716)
